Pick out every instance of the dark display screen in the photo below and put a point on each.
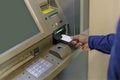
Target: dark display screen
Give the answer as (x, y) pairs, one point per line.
(16, 24)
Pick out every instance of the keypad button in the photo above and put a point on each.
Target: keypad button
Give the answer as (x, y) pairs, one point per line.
(39, 67)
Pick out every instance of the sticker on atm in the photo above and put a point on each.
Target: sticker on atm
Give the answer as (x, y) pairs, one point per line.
(48, 10)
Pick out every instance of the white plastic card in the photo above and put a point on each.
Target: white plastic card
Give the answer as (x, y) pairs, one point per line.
(66, 38)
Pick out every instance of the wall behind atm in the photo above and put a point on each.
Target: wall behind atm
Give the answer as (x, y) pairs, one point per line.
(103, 18)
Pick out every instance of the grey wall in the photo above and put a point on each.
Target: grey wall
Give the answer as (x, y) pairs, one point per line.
(77, 14)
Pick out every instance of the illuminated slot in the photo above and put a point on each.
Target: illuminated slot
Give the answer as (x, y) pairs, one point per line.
(60, 30)
(47, 10)
(48, 6)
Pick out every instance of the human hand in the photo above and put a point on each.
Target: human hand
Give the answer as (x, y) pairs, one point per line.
(80, 41)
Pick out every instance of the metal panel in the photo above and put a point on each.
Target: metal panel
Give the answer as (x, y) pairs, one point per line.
(76, 12)
(68, 9)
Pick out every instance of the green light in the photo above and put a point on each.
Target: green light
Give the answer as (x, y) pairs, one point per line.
(59, 31)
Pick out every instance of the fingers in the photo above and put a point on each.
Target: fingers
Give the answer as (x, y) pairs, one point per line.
(74, 42)
(79, 45)
(80, 38)
(80, 41)
(82, 46)
(76, 39)
(85, 47)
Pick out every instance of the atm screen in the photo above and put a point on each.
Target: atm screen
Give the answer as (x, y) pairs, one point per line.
(16, 24)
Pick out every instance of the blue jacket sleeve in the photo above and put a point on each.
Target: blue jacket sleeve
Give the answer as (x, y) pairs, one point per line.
(114, 63)
(101, 43)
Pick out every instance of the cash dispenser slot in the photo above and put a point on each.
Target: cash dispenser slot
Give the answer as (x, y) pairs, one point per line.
(60, 50)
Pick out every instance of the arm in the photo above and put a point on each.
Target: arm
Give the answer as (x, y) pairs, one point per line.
(101, 43)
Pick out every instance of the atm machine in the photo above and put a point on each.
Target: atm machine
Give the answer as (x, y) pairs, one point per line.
(30, 52)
